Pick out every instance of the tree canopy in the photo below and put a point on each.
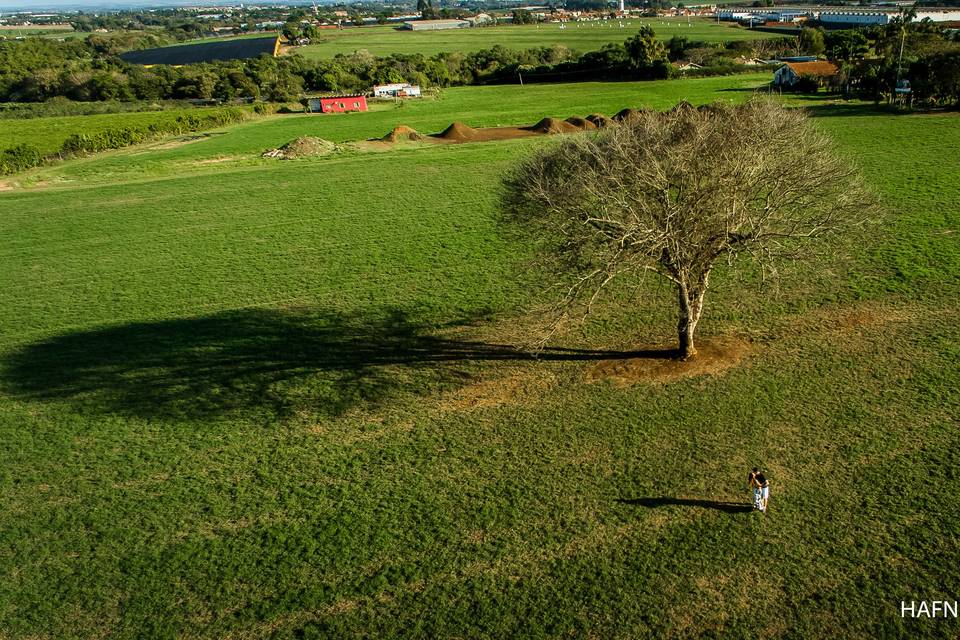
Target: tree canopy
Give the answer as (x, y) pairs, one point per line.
(672, 193)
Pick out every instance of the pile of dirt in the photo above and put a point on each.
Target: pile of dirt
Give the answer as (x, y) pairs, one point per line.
(599, 120)
(553, 125)
(580, 123)
(402, 133)
(303, 147)
(458, 132)
(627, 115)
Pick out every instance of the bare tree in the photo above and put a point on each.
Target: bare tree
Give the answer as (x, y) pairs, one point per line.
(673, 192)
(765, 49)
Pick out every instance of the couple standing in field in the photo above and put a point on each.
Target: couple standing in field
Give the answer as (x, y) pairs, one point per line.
(761, 489)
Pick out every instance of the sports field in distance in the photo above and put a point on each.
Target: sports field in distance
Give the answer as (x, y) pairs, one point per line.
(33, 29)
(251, 398)
(588, 36)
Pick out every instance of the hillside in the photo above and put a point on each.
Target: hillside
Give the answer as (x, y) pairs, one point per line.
(247, 397)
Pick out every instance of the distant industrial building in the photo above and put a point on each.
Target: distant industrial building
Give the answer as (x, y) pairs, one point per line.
(337, 103)
(398, 90)
(831, 16)
(435, 25)
(238, 49)
(866, 18)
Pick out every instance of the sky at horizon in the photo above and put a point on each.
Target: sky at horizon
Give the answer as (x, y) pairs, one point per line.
(41, 5)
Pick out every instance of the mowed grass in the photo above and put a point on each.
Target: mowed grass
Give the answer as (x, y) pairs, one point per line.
(384, 40)
(476, 106)
(10, 31)
(266, 399)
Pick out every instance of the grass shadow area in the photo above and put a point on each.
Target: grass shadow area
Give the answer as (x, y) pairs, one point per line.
(851, 110)
(717, 505)
(257, 361)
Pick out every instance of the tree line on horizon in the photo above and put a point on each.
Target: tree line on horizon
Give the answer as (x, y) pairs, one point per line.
(36, 70)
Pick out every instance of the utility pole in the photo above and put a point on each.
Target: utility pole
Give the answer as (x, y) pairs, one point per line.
(903, 36)
(896, 87)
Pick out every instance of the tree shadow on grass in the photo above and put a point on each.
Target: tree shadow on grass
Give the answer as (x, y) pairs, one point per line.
(850, 110)
(652, 503)
(763, 89)
(256, 361)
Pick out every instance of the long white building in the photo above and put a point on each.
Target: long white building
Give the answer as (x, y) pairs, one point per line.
(396, 90)
(833, 16)
(866, 18)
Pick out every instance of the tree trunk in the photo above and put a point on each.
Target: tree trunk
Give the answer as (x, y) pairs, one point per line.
(691, 306)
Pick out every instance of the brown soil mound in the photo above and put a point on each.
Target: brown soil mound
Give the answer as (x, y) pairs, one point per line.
(402, 134)
(599, 120)
(458, 132)
(580, 123)
(714, 356)
(553, 125)
(303, 147)
(627, 115)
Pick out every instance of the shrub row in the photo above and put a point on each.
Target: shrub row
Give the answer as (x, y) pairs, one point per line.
(118, 138)
(19, 158)
(25, 156)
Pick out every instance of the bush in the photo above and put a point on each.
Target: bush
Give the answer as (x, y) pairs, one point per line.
(19, 158)
(264, 108)
(807, 84)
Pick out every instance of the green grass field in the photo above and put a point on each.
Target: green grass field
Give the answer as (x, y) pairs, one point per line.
(48, 134)
(384, 40)
(33, 29)
(250, 398)
(476, 106)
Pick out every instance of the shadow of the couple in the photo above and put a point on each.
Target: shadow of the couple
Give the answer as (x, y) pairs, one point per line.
(728, 507)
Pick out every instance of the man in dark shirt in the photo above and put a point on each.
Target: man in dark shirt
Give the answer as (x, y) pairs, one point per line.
(754, 487)
(764, 487)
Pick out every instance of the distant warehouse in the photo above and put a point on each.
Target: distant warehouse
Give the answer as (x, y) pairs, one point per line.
(238, 49)
(835, 18)
(434, 25)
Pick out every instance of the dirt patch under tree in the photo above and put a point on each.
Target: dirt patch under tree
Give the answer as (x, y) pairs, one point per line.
(714, 356)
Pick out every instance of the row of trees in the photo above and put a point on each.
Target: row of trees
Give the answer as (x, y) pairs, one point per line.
(37, 70)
